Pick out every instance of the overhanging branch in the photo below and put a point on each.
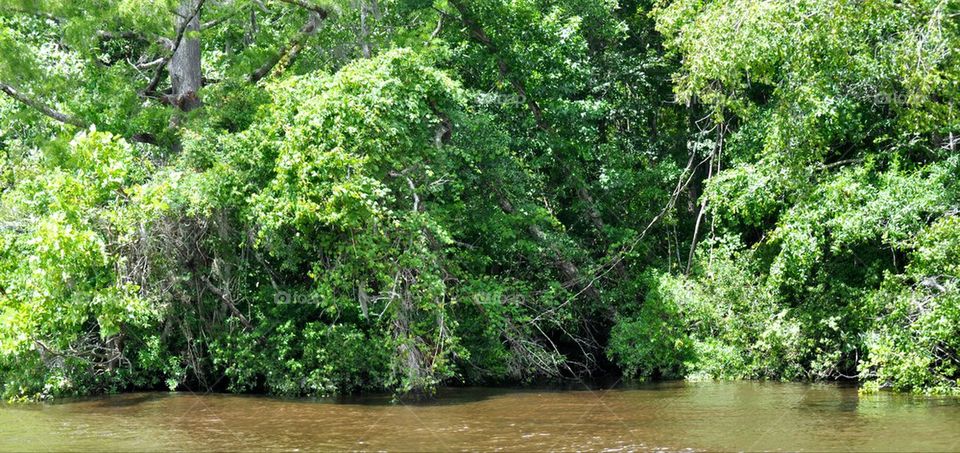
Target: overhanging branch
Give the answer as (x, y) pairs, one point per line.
(63, 117)
(477, 33)
(43, 108)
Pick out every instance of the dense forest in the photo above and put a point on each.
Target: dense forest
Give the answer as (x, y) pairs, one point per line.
(319, 197)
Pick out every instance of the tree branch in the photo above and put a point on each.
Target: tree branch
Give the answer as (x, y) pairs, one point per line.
(181, 30)
(63, 117)
(43, 108)
(841, 163)
(289, 52)
(224, 296)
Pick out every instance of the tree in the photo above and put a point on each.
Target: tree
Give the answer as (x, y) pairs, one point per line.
(304, 197)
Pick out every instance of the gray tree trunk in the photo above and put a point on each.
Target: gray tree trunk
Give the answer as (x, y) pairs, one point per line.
(364, 29)
(185, 74)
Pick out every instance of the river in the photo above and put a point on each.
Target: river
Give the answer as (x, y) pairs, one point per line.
(667, 416)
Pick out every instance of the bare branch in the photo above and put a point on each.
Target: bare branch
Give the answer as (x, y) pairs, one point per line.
(841, 163)
(227, 300)
(413, 189)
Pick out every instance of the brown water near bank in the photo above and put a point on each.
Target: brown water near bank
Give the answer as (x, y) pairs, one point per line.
(670, 416)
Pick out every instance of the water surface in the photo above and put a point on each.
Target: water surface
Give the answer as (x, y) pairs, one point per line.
(670, 416)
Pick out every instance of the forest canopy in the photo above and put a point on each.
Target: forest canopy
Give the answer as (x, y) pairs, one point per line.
(319, 197)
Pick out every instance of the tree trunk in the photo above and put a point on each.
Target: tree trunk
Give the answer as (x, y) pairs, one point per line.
(185, 74)
(364, 29)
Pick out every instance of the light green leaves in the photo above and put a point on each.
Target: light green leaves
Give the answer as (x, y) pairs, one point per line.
(62, 269)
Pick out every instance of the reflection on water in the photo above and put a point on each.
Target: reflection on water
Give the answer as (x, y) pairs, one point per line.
(671, 416)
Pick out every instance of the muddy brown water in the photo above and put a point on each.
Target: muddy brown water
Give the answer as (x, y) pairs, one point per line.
(669, 416)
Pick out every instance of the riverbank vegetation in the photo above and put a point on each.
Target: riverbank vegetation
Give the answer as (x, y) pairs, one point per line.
(306, 197)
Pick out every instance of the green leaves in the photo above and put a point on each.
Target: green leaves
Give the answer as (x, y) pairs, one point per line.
(61, 275)
(833, 172)
(415, 193)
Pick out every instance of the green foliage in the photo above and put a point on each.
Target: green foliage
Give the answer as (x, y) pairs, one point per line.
(654, 343)
(62, 285)
(399, 195)
(725, 325)
(839, 168)
(913, 346)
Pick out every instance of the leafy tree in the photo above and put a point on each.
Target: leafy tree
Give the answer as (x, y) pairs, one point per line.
(312, 197)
